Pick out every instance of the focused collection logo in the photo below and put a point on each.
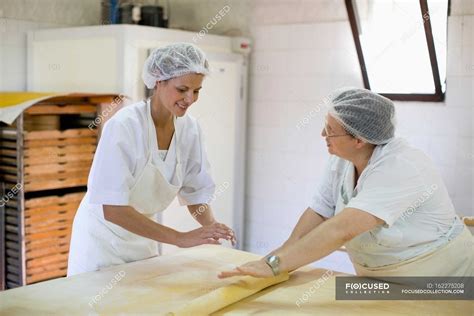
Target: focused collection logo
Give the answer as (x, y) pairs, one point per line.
(367, 288)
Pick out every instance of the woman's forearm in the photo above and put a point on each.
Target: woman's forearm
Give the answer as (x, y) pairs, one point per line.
(202, 213)
(327, 237)
(128, 218)
(315, 245)
(307, 222)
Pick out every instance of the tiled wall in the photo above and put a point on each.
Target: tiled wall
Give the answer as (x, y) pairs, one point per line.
(293, 67)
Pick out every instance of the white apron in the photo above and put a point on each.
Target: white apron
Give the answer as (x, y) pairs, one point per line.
(456, 258)
(100, 243)
(433, 263)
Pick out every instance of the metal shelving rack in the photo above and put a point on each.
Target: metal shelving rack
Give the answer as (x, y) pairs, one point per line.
(43, 176)
(13, 220)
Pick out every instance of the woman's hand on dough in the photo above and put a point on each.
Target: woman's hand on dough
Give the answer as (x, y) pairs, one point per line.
(258, 269)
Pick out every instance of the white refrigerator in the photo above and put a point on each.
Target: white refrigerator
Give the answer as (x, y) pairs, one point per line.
(109, 59)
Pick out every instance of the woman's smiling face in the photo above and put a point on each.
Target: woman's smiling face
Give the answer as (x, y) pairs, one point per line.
(177, 94)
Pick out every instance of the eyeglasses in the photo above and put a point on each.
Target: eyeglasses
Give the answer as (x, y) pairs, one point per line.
(329, 135)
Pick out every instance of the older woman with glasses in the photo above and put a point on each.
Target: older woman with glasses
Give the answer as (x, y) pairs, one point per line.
(381, 198)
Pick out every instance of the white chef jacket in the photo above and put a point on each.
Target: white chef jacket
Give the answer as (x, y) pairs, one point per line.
(401, 186)
(122, 154)
(119, 160)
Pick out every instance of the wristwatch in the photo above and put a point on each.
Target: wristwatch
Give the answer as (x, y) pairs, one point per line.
(274, 263)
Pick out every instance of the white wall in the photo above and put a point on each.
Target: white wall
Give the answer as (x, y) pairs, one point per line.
(17, 17)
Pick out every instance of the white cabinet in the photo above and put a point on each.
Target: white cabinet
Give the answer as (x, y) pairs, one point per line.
(109, 59)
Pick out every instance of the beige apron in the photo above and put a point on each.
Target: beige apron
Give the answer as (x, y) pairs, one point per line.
(456, 258)
(100, 243)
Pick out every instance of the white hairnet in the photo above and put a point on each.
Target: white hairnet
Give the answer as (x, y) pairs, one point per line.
(364, 114)
(173, 61)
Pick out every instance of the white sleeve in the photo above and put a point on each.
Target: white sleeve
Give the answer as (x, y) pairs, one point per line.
(111, 178)
(390, 190)
(323, 201)
(198, 186)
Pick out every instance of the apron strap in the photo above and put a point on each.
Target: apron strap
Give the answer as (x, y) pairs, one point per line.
(151, 128)
(179, 166)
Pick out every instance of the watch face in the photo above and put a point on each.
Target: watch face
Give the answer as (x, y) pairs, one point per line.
(274, 263)
(273, 260)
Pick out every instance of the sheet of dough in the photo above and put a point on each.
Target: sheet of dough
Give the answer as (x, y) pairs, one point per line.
(159, 285)
(155, 286)
(227, 295)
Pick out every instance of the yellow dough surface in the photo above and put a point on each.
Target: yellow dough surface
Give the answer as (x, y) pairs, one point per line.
(229, 294)
(186, 282)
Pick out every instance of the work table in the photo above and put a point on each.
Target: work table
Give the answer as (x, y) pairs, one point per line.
(163, 284)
